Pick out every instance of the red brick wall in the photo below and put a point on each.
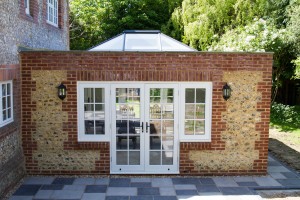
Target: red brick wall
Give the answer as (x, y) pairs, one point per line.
(12, 170)
(130, 66)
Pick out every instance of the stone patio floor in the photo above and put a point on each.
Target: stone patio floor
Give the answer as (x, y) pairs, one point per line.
(155, 188)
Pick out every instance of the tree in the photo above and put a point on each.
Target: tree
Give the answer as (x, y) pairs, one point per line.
(93, 21)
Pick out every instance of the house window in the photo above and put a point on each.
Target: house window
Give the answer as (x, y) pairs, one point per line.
(196, 112)
(27, 6)
(6, 103)
(52, 12)
(92, 112)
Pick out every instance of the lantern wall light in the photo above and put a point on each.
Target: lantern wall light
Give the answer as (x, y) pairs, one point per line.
(226, 91)
(61, 91)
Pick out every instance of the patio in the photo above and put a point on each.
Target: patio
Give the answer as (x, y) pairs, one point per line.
(279, 177)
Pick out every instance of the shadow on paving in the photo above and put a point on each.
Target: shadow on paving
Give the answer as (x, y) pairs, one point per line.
(285, 153)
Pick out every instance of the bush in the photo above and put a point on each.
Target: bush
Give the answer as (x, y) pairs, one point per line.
(285, 116)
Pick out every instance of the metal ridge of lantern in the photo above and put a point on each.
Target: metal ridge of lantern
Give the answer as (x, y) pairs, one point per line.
(61, 91)
(226, 92)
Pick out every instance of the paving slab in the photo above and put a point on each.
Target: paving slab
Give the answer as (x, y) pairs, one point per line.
(38, 180)
(266, 181)
(93, 196)
(225, 182)
(124, 191)
(84, 181)
(66, 194)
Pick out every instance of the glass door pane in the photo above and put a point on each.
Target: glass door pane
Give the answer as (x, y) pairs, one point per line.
(127, 141)
(160, 112)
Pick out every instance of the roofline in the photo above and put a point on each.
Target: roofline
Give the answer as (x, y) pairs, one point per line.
(142, 31)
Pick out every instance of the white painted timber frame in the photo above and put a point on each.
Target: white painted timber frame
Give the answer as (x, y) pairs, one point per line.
(11, 119)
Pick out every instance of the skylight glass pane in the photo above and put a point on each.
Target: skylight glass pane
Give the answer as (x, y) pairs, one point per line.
(142, 42)
(169, 44)
(115, 44)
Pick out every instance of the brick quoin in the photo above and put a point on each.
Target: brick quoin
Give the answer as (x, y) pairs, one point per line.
(133, 66)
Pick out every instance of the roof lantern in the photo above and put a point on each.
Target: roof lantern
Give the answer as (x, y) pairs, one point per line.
(141, 40)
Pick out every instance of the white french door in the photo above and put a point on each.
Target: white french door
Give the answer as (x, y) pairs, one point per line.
(144, 128)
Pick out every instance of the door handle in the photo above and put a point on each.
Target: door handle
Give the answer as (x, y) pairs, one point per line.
(147, 126)
(142, 126)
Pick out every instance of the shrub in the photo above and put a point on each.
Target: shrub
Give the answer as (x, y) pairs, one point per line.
(285, 116)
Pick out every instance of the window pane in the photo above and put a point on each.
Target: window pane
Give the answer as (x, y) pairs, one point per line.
(190, 95)
(9, 113)
(167, 142)
(189, 111)
(89, 111)
(155, 142)
(122, 142)
(155, 127)
(8, 101)
(122, 158)
(200, 111)
(200, 95)
(8, 88)
(155, 92)
(99, 95)
(3, 103)
(167, 158)
(4, 115)
(134, 157)
(199, 126)
(189, 127)
(89, 127)
(168, 127)
(3, 90)
(168, 111)
(155, 157)
(88, 95)
(100, 130)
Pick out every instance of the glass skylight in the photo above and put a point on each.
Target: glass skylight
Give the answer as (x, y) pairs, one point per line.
(133, 40)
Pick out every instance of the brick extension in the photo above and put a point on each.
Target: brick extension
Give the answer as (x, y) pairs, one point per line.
(126, 66)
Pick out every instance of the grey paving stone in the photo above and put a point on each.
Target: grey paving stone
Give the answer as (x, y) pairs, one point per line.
(63, 181)
(277, 169)
(244, 184)
(74, 187)
(52, 187)
(124, 191)
(117, 198)
(266, 181)
(165, 198)
(141, 198)
(277, 175)
(162, 182)
(207, 181)
(141, 184)
(185, 187)
(38, 180)
(84, 181)
(186, 192)
(274, 163)
(167, 191)
(225, 182)
(21, 198)
(93, 196)
(101, 181)
(243, 179)
(119, 182)
(95, 189)
(27, 190)
(148, 191)
(133, 180)
(290, 175)
(66, 194)
(207, 189)
(43, 194)
(181, 181)
(235, 191)
(289, 182)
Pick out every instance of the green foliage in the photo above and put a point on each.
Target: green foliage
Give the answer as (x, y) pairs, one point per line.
(93, 21)
(286, 117)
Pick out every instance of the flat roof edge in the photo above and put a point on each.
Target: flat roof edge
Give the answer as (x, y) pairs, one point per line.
(25, 50)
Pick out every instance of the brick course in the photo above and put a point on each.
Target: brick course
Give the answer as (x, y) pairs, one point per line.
(132, 66)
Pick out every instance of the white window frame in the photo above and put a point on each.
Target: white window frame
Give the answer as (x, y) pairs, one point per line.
(27, 6)
(206, 137)
(52, 12)
(82, 137)
(11, 119)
